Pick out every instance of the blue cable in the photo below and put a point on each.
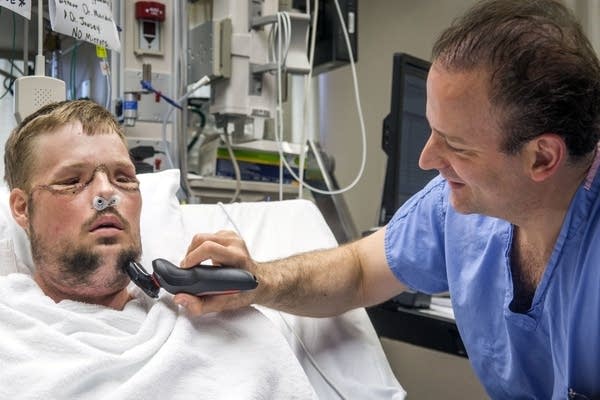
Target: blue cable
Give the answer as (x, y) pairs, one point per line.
(148, 86)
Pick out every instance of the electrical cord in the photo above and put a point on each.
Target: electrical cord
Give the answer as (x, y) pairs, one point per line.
(205, 80)
(309, 355)
(307, 90)
(236, 167)
(279, 125)
(198, 133)
(283, 20)
(104, 64)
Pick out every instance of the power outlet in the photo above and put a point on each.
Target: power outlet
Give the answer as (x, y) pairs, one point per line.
(148, 154)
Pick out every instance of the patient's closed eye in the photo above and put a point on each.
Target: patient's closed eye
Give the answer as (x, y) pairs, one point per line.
(68, 185)
(68, 182)
(127, 182)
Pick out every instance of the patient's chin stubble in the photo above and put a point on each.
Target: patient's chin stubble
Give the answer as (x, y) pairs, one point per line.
(77, 264)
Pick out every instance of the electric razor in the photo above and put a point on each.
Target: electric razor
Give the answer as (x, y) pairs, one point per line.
(198, 280)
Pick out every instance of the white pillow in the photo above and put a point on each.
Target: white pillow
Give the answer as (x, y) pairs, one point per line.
(161, 225)
(15, 239)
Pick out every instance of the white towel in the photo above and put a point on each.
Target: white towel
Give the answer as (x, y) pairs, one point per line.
(73, 350)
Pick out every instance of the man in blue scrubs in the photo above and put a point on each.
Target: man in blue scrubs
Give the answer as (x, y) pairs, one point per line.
(509, 227)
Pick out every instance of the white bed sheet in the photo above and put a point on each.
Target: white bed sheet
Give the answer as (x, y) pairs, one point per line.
(345, 348)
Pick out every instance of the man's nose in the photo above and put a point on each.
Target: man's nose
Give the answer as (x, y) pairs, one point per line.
(432, 155)
(102, 185)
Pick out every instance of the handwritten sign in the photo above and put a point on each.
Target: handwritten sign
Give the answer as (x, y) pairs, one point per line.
(21, 7)
(90, 21)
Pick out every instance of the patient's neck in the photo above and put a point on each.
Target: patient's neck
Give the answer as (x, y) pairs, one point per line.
(115, 300)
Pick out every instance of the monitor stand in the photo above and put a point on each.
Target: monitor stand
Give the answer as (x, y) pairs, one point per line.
(333, 207)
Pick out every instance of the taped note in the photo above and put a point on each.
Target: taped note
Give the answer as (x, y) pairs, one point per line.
(21, 7)
(90, 21)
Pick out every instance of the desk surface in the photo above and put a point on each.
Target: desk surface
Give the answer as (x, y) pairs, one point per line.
(417, 326)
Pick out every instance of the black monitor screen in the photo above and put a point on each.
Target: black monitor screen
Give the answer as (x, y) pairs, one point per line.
(405, 132)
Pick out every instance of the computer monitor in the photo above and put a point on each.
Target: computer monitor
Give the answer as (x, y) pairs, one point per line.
(405, 132)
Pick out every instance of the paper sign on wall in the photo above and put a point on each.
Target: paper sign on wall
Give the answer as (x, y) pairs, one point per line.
(90, 21)
(21, 7)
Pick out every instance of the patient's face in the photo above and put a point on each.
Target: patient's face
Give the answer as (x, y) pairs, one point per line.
(79, 250)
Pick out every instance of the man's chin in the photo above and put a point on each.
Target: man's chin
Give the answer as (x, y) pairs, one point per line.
(460, 205)
(108, 241)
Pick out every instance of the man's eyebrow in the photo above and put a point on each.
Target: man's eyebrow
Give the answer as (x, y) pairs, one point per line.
(83, 165)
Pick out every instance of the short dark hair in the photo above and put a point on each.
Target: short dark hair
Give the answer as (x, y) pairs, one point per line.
(19, 152)
(544, 73)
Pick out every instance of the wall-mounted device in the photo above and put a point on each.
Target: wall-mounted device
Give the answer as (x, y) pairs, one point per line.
(33, 92)
(331, 50)
(239, 46)
(150, 16)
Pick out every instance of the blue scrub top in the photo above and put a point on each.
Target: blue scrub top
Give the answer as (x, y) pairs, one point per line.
(541, 354)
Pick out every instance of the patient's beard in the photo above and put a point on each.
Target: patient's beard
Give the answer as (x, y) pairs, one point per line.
(76, 265)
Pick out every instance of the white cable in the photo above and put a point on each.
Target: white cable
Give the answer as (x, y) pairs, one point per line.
(279, 134)
(287, 24)
(108, 92)
(236, 167)
(284, 34)
(40, 61)
(310, 357)
(40, 26)
(283, 27)
(231, 221)
(278, 109)
(108, 85)
(307, 96)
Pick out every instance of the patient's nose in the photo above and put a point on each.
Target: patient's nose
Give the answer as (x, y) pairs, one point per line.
(102, 185)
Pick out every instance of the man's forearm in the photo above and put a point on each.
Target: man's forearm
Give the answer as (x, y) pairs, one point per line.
(318, 284)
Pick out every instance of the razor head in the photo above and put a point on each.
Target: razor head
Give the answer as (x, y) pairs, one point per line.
(142, 278)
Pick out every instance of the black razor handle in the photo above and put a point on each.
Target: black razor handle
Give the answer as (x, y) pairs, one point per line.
(202, 279)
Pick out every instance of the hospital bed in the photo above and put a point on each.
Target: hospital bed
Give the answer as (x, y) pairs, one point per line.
(341, 356)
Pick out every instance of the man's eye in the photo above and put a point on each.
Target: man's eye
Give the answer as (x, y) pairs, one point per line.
(455, 149)
(127, 182)
(68, 181)
(67, 186)
(125, 178)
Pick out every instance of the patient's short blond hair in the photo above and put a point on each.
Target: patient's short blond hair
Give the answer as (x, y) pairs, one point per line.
(20, 154)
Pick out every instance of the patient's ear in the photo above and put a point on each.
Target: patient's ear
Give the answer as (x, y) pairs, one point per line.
(546, 153)
(19, 209)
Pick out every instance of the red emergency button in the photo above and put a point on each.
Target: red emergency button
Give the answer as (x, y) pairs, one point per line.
(150, 11)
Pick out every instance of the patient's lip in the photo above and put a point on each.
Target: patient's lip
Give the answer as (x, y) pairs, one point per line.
(107, 221)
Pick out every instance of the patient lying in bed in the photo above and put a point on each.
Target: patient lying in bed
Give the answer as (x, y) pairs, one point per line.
(73, 329)
(72, 326)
